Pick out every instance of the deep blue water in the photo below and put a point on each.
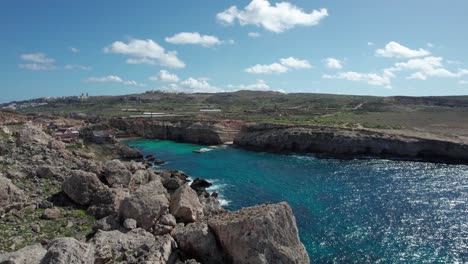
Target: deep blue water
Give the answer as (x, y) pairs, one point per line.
(374, 211)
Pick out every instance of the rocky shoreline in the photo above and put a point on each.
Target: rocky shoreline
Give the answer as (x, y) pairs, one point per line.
(63, 205)
(337, 142)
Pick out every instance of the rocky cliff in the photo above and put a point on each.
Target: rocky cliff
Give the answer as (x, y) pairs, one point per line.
(344, 142)
(60, 205)
(199, 132)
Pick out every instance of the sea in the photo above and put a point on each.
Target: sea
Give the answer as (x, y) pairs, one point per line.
(347, 211)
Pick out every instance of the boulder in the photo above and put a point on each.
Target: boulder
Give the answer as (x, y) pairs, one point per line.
(172, 180)
(211, 205)
(200, 185)
(107, 223)
(145, 205)
(27, 255)
(9, 193)
(47, 172)
(56, 145)
(259, 234)
(116, 173)
(113, 245)
(82, 186)
(51, 213)
(31, 134)
(197, 241)
(67, 250)
(130, 224)
(161, 252)
(185, 205)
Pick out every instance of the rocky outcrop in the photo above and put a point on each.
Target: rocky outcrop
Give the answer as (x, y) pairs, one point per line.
(185, 205)
(145, 205)
(197, 241)
(259, 234)
(28, 255)
(116, 173)
(200, 132)
(82, 186)
(344, 142)
(9, 193)
(68, 250)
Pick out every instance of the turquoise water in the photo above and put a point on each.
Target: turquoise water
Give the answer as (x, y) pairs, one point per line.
(358, 211)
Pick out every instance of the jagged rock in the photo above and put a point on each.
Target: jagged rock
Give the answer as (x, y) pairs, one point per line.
(51, 213)
(200, 185)
(107, 223)
(145, 205)
(116, 173)
(259, 234)
(47, 172)
(27, 255)
(130, 224)
(67, 250)
(113, 245)
(185, 205)
(211, 205)
(161, 252)
(172, 180)
(55, 144)
(9, 193)
(31, 134)
(85, 188)
(188, 261)
(197, 241)
(168, 219)
(81, 186)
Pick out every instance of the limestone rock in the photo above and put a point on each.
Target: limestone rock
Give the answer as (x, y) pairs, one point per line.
(9, 193)
(107, 223)
(51, 213)
(31, 134)
(116, 173)
(145, 205)
(27, 255)
(197, 241)
(260, 234)
(112, 245)
(185, 205)
(130, 224)
(81, 186)
(67, 250)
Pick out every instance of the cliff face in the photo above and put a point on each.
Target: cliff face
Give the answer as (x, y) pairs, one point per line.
(343, 142)
(199, 132)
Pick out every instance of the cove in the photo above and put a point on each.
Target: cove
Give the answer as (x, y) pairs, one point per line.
(358, 211)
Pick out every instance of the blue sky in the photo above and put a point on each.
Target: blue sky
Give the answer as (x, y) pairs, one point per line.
(55, 48)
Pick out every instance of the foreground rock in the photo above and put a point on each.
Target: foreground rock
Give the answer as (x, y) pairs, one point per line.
(69, 250)
(197, 241)
(185, 205)
(9, 193)
(145, 205)
(260, 234)
(28, 255)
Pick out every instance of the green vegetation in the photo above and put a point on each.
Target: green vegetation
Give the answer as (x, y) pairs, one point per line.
(431, 114)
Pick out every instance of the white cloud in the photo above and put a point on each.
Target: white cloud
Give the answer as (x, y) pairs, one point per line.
(463, 82)
(427, 67)
(37, 62)
(165, 76)
(383, 79)
(37, 58)
(430, 45)
(253, 34)
(259, 85)
(370, 43)
(113, 79)
(77, 67)
(145, 52)
(394, 49)
(267, 69)
(194, 38)
(74, 50)
(332, 63)
(284, 65)
(193, 85)
(294, 63)
(277, 18)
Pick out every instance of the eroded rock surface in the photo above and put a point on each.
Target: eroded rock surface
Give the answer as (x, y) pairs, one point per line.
(185, 205)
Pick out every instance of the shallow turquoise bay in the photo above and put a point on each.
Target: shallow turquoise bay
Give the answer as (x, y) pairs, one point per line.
(374, 211)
